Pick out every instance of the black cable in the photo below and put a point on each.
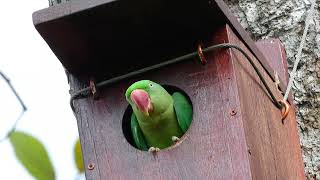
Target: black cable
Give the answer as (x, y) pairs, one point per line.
(275, 102)
(85, 92)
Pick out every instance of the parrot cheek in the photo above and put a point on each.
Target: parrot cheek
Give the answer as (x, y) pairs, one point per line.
(150, 107)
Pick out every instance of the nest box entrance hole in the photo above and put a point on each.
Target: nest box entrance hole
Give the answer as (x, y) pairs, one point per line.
(126, 120)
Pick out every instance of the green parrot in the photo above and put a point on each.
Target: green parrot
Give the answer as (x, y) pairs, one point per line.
(158, 119)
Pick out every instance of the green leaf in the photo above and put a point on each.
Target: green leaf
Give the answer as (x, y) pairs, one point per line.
(32, 155)
(78, 156)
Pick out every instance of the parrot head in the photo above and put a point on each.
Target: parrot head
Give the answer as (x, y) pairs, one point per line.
(148, 98)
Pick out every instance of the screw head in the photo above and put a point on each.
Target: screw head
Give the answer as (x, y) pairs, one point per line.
(91, 166)
(233, 112)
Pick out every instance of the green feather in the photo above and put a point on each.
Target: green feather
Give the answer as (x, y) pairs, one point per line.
(137, 134)
(183, 110)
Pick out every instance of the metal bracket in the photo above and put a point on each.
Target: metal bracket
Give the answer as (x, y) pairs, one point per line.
(201, 55)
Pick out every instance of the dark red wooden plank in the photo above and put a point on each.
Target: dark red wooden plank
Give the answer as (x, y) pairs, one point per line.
(275, 148)
(275, 55)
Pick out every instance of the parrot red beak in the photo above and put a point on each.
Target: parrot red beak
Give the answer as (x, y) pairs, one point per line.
(142, 100)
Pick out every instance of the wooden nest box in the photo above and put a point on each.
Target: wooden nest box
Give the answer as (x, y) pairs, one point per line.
(236, 132)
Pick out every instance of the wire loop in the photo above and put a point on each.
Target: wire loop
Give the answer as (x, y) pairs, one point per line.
(285, 109)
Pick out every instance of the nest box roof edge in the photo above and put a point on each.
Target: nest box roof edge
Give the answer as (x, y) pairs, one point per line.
(95, 36)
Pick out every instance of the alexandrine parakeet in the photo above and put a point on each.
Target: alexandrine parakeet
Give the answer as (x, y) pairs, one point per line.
(158, 119)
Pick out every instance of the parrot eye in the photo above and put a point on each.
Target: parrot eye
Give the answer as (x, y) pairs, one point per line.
(150, 85)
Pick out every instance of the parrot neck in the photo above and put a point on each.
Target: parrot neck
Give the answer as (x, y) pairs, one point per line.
(159, 130)
(154, 119)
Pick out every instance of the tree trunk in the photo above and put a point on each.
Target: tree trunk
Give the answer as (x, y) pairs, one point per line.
(285, 19)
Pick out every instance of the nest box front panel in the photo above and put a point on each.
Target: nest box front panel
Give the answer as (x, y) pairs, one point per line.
(213, 148)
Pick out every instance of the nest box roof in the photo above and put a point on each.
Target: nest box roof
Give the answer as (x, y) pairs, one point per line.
(107, 38)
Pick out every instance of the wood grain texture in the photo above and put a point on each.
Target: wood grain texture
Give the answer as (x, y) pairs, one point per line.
(274, 146)
(274, 52)
(236, 131)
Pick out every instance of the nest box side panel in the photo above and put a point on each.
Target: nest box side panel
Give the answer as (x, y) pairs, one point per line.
(213, 148)
(275, 55)
(274, 146)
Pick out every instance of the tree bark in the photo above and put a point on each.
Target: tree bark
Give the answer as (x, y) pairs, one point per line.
(285, 19)
(54, 2)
